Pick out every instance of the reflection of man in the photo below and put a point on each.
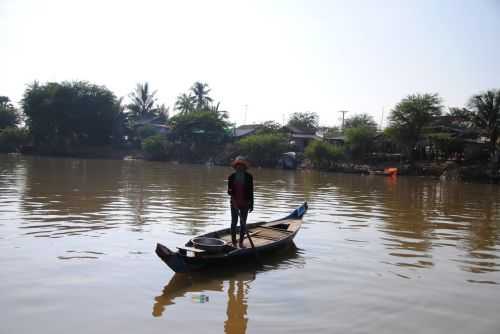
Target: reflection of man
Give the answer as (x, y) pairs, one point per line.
(236, 322)
(240, 188)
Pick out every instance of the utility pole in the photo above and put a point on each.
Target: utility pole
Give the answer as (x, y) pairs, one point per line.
(246, 111)
(382, 120)
(343, 117)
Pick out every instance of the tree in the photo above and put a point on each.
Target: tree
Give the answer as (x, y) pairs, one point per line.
(200, 92)
(264, 149)
(120, 126)
(305, 121)
(63, 116)
(184, 103)
(214, 108)
(8, 113)
(163, 112)
(411, 115)
(358, 121)
(199, 134)
(485, 108)
(269, 127)
(142, 102)
(157, 147)
(360, 140)
(323, 154)
(12, 139)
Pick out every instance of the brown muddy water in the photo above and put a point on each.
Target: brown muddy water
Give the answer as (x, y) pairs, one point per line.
(374, 255)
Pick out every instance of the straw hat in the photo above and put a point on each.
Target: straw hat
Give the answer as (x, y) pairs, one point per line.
(240, 160)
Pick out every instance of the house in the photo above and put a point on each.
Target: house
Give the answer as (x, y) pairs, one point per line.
(300, 138)
(245, 131)
(156, 123)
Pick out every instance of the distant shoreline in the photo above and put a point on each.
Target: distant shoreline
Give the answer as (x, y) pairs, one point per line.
(476, 172)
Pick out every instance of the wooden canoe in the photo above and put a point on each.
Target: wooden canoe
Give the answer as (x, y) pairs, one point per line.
(266, 237)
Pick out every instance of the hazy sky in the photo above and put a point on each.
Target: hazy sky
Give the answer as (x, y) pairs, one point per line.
(276, 57)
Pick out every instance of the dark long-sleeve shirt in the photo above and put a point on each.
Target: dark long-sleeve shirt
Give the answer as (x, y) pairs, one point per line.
(241, 192)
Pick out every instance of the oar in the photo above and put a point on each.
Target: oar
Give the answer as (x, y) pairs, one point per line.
(253, 246)
(251, 242)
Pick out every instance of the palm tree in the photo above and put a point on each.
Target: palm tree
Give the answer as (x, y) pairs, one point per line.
(486, 115)
(143, 101)
(214, 108)
(200, 91)
(184, 103)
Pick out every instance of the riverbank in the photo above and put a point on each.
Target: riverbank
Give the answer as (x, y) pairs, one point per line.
(448, 170)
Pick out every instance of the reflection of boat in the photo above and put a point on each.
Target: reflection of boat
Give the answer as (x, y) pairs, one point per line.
(264, 237)
(181, 286)
(237, 294)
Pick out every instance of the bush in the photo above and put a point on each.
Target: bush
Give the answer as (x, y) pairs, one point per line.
(157, 148)
(11, 139)
(145, 131)
(447, 145)
(263, 149)
(322, 154)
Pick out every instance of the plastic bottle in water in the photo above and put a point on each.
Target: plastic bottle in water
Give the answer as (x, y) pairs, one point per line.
(200, 298)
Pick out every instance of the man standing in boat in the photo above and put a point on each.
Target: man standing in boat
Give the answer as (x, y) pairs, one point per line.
(240, 188)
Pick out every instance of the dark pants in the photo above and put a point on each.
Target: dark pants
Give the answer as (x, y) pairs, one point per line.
(235, 213)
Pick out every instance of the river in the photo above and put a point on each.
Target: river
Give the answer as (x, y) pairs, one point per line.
(375, 254)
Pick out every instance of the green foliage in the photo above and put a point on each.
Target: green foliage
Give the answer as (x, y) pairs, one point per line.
(269, 127)
(199, 133)
(142, 102)
(263, 149)
(360, 121)
(322, 154)
(446, 144)
(157, 147)
(330, 132)
(485, 109)
(411, 115)
(163, 112)
(64, 115)
(462, 117)
(200, 97)
(12, 138)
(185, 103)
(197, 100)
(305, 121)
(360, 140)
(8, 114)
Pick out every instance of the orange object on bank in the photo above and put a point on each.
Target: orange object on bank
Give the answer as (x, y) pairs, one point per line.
(391, 171)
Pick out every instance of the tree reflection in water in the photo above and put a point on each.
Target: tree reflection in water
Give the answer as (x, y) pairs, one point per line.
(237, 278)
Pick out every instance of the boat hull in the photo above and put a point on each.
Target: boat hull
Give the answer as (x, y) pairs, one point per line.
(181, 263)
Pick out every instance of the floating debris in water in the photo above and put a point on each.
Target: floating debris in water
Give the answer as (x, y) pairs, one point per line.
(200, 299)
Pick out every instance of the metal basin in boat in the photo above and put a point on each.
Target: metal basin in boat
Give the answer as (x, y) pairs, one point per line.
(211, 245)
